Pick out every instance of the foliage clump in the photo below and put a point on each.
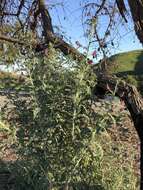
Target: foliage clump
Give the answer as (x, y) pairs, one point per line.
(60, 141)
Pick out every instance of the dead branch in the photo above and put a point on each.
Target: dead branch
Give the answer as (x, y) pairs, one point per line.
(11, 40)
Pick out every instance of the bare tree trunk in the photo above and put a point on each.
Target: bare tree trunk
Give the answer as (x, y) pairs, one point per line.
(136, 7)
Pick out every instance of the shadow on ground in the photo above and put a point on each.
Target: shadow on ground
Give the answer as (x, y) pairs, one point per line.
(11, 179)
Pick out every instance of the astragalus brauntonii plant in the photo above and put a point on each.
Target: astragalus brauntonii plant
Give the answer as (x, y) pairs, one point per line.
(61, 142)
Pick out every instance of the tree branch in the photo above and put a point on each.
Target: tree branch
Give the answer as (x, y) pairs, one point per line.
(101, 7)
(48, 32)
(136, 8)
(66, 48)
(133, 102)
(59, 43)
(7, 14)
(122, 8)
(20, 7)
(11, 40)
(129, 94)
(3, 13)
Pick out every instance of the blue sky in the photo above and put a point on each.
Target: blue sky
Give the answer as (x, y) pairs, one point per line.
(68, 18)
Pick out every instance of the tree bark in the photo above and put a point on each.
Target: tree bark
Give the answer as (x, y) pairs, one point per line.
(136, 8)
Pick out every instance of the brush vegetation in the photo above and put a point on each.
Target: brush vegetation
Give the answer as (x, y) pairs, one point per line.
(60, 141)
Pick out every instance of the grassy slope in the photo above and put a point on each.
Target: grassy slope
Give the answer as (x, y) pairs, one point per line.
(131, 62)
(128, 65)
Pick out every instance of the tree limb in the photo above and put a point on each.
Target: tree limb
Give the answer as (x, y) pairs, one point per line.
(133, 102)
(20, 7)
(11, 40)
(48, 32)
(129, 94)
(66, 48)
(136, 8)
(101, 7)
(59, 43)
(122, 8)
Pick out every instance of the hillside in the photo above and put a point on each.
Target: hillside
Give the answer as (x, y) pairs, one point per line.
(128, 65)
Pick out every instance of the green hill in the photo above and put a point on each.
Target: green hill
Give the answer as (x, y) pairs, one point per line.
(128, 62)
(128, 65)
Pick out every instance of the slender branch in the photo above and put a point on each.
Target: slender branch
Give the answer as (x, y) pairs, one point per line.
(11, 40)
(3, 13)
(7, 14)
(20, 7)
(122, 8)
(101, 7)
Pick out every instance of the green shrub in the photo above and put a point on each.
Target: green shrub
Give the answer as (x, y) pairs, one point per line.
(61, 142)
